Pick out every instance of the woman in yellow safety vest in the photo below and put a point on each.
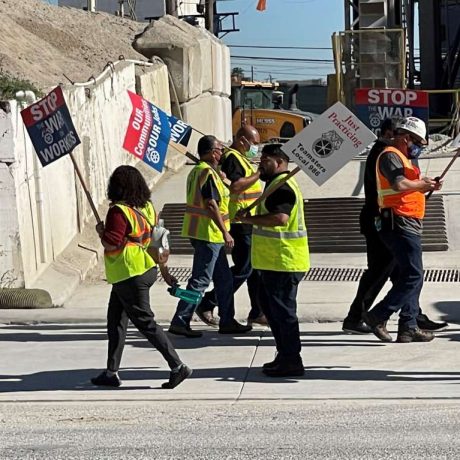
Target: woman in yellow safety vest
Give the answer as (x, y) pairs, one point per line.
(126, 236)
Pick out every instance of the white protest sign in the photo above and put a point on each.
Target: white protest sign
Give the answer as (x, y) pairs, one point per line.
(330, 142)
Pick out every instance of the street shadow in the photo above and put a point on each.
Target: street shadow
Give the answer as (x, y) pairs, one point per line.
(449, 309)
(79, 379)
(211, 338)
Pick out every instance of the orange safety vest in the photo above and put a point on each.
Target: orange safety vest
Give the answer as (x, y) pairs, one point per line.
(407, 204)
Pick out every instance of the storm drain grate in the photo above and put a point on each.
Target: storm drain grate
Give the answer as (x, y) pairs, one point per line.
(338, 274)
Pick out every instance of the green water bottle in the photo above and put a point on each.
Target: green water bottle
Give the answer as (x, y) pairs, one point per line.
(185, 294)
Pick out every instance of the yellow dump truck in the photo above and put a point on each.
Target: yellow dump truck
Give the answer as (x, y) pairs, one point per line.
(260, 104)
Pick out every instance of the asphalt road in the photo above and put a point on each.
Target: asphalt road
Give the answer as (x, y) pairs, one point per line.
(219, 430)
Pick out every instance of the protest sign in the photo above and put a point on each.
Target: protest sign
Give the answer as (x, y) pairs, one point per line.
(150, 130)
(148, 133)
(180, 131)
(50, 127)
(327, 144)
(373, 105)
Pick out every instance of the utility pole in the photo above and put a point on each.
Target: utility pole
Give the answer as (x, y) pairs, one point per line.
(209, 15)
(171, 7)
(91, 6)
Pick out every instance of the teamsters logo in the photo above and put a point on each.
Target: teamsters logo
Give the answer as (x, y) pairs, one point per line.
(327, 144)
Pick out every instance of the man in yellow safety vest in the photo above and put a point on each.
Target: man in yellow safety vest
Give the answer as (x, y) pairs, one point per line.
(207, 224)
(280, 255)
(245, 188)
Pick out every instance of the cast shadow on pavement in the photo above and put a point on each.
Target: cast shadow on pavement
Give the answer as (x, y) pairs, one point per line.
(79, 379)
(448, 308)
(211, 338)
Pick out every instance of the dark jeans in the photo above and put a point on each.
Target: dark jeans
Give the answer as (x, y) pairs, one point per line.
(209, 263)
(406, 249)
(278, 293)
(380, 266)
(241, 272)
(130, 299)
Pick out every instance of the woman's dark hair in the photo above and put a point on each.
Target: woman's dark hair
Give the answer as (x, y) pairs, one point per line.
(127, 184)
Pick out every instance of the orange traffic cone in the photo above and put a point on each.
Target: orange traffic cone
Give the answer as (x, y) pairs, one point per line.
(261, 5)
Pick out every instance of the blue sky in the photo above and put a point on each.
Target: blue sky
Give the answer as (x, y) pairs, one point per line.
(304, 23)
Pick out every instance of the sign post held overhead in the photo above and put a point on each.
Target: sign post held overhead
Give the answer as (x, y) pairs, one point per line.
(327, 144)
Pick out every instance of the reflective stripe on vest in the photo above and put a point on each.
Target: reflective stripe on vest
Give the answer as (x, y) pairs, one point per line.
(131, 258)
(244, 199)
(282, 248)
(407, 204)
(198, 222)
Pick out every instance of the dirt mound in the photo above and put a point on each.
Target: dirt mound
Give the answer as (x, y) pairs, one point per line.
(41, 42)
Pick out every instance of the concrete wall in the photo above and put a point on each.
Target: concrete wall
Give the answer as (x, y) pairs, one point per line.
(45, 209)
(199, 65)
(30, 242)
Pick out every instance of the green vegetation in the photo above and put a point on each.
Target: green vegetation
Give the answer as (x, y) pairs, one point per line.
(10, 85)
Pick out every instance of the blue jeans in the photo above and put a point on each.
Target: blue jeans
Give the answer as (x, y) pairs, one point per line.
(404, 295)
(209, 263)
(241, 271)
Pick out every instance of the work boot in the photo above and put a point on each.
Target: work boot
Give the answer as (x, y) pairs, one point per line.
(414, 335)
(272, 364)
(284, 368)
(355, 327)
(379, 328)
(234, 327)
(425, 324)
(261, 320)
(103, 380)
(186, 331)
(207, 317)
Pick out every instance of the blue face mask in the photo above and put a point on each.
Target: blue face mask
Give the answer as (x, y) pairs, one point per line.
(252, 152)
(415, 151)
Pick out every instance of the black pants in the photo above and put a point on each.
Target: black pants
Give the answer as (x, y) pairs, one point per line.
(380, 266)
(130, 299)
(242, 271)
(278, 296)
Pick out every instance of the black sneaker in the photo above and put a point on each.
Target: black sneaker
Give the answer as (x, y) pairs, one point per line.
(359, 327)
(186, 331)
(273, 363)
(234, 328)
(414, 335)
(103, 380)
(425, 323)
(378, 327)
(175, 378)
(285, 369)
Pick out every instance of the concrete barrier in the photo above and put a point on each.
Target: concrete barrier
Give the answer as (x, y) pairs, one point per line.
(45, 209)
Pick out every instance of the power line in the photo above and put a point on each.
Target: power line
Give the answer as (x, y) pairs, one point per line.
(260, 58)
(281, 47)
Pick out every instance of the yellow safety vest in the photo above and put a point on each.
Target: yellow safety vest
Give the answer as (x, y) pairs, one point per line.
(283, 248)
(244, 199)
(198, 223)
(131, 258)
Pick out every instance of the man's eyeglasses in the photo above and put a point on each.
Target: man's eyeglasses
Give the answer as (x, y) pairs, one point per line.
(220, 149)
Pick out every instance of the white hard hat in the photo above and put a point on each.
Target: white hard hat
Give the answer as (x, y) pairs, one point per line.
(414, 126)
